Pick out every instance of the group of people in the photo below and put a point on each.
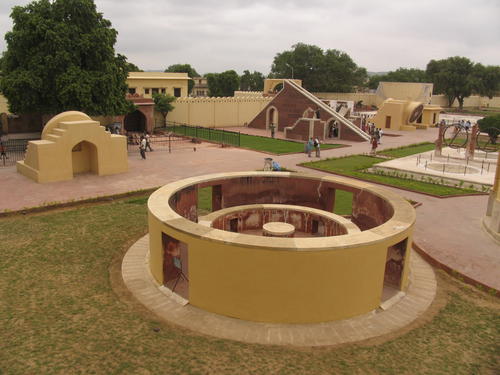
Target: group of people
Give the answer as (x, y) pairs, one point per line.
(313, 143)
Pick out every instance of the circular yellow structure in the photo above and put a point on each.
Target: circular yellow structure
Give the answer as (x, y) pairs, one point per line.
(272, 279)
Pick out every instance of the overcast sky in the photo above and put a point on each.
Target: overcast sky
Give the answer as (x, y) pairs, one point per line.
(217, 35)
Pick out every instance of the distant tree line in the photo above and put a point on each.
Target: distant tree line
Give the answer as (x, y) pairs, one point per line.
(60, 55)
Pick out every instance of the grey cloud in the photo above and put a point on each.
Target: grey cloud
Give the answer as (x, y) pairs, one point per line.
(214, 35)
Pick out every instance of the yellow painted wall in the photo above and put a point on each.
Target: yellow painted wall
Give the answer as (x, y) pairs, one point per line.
(4, 105)
(53, 158)
(142, 80)
(217, 112)
(250, 280)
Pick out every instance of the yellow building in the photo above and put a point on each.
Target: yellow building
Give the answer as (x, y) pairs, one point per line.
(146, 84)
(200, 88)
(73, 143)
(405, 115)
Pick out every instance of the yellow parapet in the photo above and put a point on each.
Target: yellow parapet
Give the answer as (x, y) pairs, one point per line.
(321, 276)
(73, 143)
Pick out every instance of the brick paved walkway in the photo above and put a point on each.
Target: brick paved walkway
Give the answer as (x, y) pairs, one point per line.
(447, 229)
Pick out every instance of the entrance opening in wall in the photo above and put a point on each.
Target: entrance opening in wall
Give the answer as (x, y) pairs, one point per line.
(233, 225)
(394, 266)
(175, 266)
(135, 122)
(387, 122)
(84, 158)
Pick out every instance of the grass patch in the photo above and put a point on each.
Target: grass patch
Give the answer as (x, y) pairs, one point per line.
(276, 146)
(401, 152)
(60, 315)
(205, 200)
(343, 202)
(355, 165)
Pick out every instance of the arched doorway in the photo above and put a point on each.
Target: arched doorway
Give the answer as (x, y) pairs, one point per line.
(84, 158)
(333, 129)
(135, 122)
(272, 117)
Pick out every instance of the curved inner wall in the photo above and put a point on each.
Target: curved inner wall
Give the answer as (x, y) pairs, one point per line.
(368, 209)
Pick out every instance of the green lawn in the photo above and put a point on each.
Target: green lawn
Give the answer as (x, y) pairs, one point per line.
(276, 146)
(401, 152)
(354, 165)
(64, 310)
(257, 143)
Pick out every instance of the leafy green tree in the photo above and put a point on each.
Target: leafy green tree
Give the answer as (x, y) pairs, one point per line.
(252, 81)
(490, 125)
(131, 67)
(452, 77)
(163, 104)
(60, 56)
(487, 80)
(223, 84)
(184, 68)
(319, 70)
(399, 75)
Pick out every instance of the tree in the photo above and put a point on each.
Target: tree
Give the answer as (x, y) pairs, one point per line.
(223, 84)
(486, 80)
(60, 56)
(452, 77)
(331, 70)
(399, 75)
(131, 67)
(163, 104)
(490, 125)
(184, 68)
(252, 81)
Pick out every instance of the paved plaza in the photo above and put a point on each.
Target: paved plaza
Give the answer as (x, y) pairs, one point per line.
(449, 230)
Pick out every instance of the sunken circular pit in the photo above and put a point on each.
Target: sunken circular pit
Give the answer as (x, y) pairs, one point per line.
(332, 268)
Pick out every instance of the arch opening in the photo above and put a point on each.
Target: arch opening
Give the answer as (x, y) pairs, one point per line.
(84, 158)
(135, 122)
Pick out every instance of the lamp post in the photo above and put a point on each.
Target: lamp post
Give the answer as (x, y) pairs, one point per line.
(291, 67)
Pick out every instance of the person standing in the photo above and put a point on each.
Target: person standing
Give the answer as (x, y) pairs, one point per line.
(142, 147)
(316, 146)
(374, 144)
(380, 134)
(310, 145)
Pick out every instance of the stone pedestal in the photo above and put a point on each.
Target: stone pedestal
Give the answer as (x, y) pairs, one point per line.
(277, 229)
(471, 144)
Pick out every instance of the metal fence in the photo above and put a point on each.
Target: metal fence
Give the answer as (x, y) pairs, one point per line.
(159, 142)
(12, 150)
(209, 134)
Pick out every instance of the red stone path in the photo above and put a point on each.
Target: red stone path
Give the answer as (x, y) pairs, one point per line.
(448, 229)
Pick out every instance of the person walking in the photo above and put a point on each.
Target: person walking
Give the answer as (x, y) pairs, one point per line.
(142, 147)
(148, 142)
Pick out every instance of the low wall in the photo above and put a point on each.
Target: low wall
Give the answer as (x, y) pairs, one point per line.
(217, 112)
(287, 280)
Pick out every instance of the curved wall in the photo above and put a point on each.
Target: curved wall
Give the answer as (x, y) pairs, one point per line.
(288, 280)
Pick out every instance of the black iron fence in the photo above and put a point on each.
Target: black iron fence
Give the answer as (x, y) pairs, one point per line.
(12, 150)
(160, 142)
(202, 133)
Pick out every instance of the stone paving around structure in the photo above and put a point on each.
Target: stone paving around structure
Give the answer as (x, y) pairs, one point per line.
(420, 294)
(449, 230)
